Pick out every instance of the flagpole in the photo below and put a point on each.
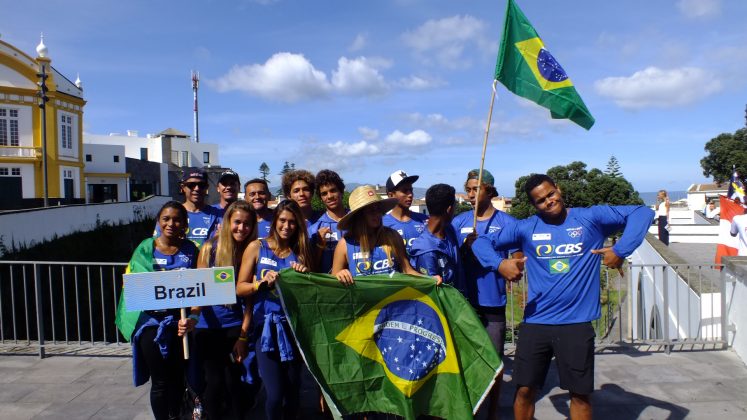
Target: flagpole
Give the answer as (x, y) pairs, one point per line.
(482, 158)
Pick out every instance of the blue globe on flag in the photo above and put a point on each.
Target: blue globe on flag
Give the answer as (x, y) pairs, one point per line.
(549, 67)
(410, 338)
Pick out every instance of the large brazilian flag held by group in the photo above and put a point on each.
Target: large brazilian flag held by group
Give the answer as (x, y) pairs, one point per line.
(397, 344)
(526, 67)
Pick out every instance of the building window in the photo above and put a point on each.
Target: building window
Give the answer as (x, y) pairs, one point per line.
(89, 158)
(143, 153)
(3, 171)
(66, 131)
(205, 158)
(15, 171)
(67, 173)
(116, 158)
(9, 127)
(185, 158)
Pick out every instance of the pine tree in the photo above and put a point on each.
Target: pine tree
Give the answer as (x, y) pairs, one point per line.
(613, 167)
(264, 170)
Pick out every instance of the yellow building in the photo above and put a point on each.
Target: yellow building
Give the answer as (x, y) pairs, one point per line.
(21, 163)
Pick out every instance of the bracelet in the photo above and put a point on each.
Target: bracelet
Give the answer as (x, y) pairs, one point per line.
(243, 338)
(195, 317)
(256, 285)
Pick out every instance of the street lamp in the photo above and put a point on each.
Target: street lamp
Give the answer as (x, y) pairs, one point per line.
(42, 94)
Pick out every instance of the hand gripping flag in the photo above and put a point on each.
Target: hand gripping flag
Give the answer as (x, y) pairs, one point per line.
(397, 345)
(527, 68)
(142, 262)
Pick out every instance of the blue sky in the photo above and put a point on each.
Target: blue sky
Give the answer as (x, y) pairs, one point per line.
(366, 88)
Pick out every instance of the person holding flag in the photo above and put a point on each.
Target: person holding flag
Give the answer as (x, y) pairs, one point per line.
(564, 248)
(736, 187)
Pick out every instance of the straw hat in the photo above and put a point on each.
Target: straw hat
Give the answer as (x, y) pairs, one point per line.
(362, 197)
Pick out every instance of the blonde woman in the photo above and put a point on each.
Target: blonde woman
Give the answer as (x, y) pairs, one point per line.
(368, 247)
(222, 331)
(662, 215)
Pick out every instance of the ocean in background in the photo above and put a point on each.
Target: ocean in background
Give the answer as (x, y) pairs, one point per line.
(649, 198)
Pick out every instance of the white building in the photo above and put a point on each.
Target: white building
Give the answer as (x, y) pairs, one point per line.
(105, 173)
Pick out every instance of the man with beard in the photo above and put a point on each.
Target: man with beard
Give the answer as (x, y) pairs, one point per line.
(257, 193)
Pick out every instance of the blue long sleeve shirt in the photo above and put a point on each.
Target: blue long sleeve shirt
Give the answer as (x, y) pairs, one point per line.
(563, 274)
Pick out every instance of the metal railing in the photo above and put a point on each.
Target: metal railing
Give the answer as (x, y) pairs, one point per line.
(70, 306)
(66, 306)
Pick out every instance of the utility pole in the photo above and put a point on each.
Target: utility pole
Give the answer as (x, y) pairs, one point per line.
(195, 87)
(43, 99)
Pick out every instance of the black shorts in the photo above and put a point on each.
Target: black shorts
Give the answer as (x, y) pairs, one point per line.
(573, 348)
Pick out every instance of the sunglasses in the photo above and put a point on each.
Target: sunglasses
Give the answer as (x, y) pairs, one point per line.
(192, 185)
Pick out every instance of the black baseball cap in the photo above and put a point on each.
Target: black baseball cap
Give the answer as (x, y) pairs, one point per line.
(194, 173)
(228, 173)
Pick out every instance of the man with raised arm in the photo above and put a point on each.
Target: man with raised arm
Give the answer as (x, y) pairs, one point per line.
(564, 248)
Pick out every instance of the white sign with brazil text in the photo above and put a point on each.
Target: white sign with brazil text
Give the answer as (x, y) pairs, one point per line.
(179, 288)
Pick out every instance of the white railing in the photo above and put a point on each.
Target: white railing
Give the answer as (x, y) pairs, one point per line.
(24, 152)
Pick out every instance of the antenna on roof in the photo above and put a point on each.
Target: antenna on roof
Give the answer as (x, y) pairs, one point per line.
(195, 87)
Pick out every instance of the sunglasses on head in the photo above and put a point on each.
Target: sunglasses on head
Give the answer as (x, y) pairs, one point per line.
(192, 185)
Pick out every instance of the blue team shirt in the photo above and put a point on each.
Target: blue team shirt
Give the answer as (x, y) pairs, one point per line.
(220, 316)
(263, 228)
(185, 257)
(267, 302)
(407, 230)
(563, 274)
(202, 225)
(368, 263)
(333, 237)
(485, 287)
(434, 256)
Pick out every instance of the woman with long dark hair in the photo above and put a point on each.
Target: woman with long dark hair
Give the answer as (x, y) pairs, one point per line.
(156, 342)
(279, 362)
(222, 332)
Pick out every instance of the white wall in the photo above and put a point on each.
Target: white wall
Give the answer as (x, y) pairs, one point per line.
(10, 77)
(682, 311)
(75, 177)
(27, 177)
(37, 225)
(131, 144)
(196, 151)
(102, 158)
(736, 296)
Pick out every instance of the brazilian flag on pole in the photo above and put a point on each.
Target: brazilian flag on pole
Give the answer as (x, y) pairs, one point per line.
(526, 68)
(395, 344)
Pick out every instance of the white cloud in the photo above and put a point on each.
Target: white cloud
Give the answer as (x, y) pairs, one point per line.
(368, 133)
(358, 43)
(655, 87)
(698, 9)
(414, 138)
(358, 76)
(360, 148)
(419, 83)
(284, 77)
(445, 39)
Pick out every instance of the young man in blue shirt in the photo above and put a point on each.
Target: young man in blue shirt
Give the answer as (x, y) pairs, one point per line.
(257, 193)
(486, 288)
(324, 233)
(564, 249)
(408, 224)
(436, 251)
(229, 186)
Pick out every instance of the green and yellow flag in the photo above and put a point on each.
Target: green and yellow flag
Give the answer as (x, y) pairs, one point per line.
(395, 345)
(141, 262)
(527, 68)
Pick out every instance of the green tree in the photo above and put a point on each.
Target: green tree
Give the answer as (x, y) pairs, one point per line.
(580, 188)
(287, 167)
(264, 170)
(724, 151)
(613, 167)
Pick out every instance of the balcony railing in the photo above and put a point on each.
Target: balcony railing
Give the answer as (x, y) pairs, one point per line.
(22, 152)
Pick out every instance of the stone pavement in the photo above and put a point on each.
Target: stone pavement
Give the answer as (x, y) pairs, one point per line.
(629, 384)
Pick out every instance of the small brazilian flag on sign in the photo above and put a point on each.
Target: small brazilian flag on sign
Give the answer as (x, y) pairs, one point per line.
(398, 345)
(526, 67)
(223, 275)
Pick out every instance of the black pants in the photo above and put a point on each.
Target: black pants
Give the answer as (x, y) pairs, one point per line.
(166, 375)
(224, 396)
(663, 232)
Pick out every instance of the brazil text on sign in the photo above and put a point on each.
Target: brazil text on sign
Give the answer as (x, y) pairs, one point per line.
(179, 288)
